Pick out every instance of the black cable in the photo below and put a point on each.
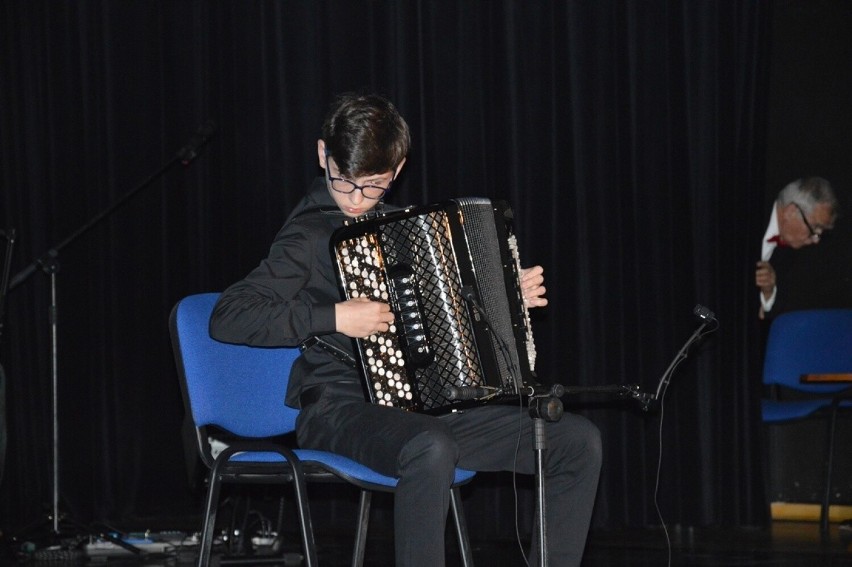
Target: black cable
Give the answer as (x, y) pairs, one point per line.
(660, 398)
(503, 347)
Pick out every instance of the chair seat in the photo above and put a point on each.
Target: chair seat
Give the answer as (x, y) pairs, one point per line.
(342, 466)
(777, 411)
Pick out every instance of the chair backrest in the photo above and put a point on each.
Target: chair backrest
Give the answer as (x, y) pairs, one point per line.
(815, 341)
(236, 387)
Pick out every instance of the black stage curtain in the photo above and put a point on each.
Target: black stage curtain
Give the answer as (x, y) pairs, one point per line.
(628, 136)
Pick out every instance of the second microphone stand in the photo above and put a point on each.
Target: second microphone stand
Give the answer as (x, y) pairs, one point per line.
(49, 263)
(546, 406)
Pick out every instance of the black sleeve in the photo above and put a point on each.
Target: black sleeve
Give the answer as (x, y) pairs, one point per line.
(274, 305)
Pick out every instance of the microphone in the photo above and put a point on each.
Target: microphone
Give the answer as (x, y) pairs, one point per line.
(703, 313)
(469, 392)
(706, 317)
(190, 151)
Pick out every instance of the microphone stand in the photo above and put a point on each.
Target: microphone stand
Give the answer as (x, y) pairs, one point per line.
(4, 284)
(545, 404)
(543, 408)
(49, 264)
(548, 407)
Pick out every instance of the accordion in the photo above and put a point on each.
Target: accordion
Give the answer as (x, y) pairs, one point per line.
(461, 334)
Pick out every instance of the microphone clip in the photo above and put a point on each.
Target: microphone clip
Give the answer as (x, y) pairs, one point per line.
(463, 393)
(190, 151)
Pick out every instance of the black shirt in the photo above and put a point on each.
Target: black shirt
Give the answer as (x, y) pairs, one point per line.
(291, 296)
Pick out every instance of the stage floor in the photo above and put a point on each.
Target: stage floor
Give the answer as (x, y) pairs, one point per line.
(785, 544)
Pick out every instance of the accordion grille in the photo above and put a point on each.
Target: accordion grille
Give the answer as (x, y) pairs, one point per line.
(423, 243)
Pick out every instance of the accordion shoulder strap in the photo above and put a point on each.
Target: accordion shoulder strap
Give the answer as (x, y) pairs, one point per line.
(337, 353)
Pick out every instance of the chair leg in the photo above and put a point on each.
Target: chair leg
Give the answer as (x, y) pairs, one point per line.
(461, 527)
(829, 465)
(363, 525)
(304, 511)
(211, 506)
(206, 547)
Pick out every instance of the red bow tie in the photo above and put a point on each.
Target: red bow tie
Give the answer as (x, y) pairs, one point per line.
(777, 240)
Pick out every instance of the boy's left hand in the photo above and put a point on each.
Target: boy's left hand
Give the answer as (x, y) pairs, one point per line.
(532, 280)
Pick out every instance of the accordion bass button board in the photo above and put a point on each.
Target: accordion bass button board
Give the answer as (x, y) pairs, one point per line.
(451, 274)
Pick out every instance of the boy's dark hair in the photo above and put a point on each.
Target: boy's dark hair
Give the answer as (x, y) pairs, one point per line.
(365, 135)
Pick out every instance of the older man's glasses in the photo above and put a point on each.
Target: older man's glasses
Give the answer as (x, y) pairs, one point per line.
(373, 192)
(815, 234)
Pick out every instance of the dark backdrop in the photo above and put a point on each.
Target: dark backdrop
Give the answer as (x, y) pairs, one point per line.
(810, 133)
(629, 136)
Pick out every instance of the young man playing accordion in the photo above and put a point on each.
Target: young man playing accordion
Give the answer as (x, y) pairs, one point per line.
(293, 296)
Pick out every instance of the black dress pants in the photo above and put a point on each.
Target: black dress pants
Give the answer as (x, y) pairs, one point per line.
(423, 451)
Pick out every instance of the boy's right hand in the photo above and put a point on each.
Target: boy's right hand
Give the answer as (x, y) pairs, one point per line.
(359, 318)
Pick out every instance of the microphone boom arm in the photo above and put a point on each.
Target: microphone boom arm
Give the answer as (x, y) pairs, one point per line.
(185, 155)
(645, 399)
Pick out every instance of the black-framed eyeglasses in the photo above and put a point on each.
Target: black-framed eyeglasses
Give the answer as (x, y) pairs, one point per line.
(814, 234)
(372, 192)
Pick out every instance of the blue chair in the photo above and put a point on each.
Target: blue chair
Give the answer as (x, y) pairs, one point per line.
(240, 389)
(817, 341)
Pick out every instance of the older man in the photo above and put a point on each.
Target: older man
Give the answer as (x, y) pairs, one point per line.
(803, 211)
